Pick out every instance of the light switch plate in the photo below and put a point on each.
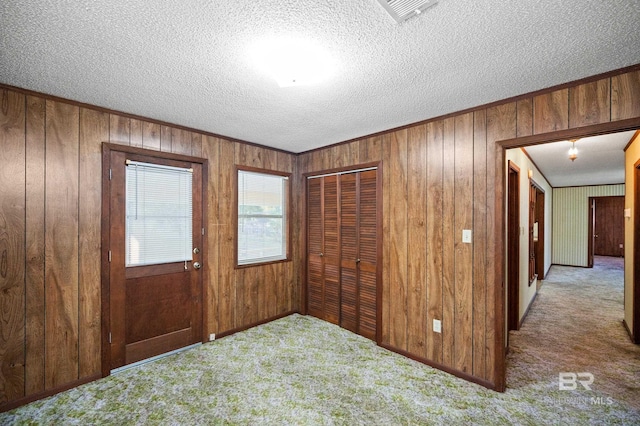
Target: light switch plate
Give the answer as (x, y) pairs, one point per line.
(627, 212)
(466, 235)
(437, 326)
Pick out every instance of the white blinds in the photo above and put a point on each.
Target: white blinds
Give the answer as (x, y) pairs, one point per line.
(158, 214)
(261, 217)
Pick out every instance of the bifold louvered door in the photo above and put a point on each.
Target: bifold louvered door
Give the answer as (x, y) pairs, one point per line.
(323, 252)
(350, 225)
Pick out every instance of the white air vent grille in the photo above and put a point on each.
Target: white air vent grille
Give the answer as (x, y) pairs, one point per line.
(401, 10)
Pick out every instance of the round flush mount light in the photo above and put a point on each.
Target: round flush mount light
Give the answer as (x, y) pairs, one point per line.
(293, 62)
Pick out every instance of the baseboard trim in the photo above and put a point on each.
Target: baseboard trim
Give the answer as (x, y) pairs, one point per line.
(47, 393)
(524, 316)
(255, 324)
(461, 374)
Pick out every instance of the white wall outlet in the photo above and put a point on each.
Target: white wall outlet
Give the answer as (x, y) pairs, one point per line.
(627, 212)
(437, 326)
(212, 337)
(466, 235)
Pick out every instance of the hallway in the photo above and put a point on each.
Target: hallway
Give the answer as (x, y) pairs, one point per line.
(575, 326)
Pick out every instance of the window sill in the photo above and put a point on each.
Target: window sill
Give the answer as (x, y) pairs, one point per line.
(269, 262)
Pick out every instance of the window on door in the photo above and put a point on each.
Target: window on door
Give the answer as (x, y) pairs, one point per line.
(158, 214)
(262, 231)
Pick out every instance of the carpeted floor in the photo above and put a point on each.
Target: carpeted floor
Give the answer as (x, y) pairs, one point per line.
(300, 370)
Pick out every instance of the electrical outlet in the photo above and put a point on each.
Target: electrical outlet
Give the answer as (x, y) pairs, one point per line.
(437, 326)
(212, 337)
(621, 246)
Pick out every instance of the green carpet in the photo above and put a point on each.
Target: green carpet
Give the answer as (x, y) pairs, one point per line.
(300, 370)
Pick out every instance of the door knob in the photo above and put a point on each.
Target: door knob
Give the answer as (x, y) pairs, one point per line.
(357, 260)
(196, 250)
(321, 254)
(197, 265)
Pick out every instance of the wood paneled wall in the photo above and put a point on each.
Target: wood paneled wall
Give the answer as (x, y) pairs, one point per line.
(445, 175)
(439, 177)
(50, 207)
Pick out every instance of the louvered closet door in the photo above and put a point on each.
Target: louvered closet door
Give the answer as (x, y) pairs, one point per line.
(367, 253)
(323, 281)
(358, 229)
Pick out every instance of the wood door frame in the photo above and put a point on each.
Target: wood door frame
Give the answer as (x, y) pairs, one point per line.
(541, 200)
(379, 230)
(591, 218)
(107, 149)
(499, 226)
(635, 310)
(513, 247)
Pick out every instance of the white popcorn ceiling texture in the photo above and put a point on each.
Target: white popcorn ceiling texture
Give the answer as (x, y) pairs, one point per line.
(187, 62)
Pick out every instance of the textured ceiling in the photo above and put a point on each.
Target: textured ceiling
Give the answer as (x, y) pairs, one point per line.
(189, 62)
(600, 160)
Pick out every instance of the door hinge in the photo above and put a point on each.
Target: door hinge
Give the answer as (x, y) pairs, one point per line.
(110, 174)
(109, 256)
(203, 231)
(109, 337)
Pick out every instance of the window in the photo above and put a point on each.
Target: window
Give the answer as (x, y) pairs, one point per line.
(262, 216)
(158, 214)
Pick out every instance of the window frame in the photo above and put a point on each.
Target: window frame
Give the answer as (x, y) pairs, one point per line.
(286, 216)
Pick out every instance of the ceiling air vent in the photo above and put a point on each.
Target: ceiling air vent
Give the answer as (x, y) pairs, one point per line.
(401, 10)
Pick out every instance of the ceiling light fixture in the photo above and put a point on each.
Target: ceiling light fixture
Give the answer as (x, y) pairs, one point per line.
(573, 151)
(293, 62)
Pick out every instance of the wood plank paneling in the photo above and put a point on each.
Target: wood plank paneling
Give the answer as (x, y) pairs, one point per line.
(501, 125)
(61, 242)
(448, 244)
(589, 103)
(34, 198)
(165, 138)
(463, 292)
(434, 254)
(625, 92)
(211, 151)
(151, 136)
(226, 200)
(551, 111)
(94, 129)
(417, 240)
(196, 144)
(12, 245)
(136, 136)
(180, 141)
(119, 129)
(480, 237)
(398, 239)
(524, 119)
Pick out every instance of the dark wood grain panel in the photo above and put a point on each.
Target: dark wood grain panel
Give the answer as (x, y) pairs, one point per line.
(12, 245)
(480, 237)
(119, 129)
(61, 242)
(524, 108)
(589, 103)
(551, 111)
(448, 243)
(165, 139)
(463, 219)
(285, 282)
(385, 314)
(196, 144)
(501, 125)
(434, 225)
(369, 246)
(226, 200)
(349, 252)
(211, 151)
(417, 240)
(180, 141)
(151, 135)
(136, 133)
(94, 129)
(625, 92)
(398, 210)
(371, 149)
(34, 232)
